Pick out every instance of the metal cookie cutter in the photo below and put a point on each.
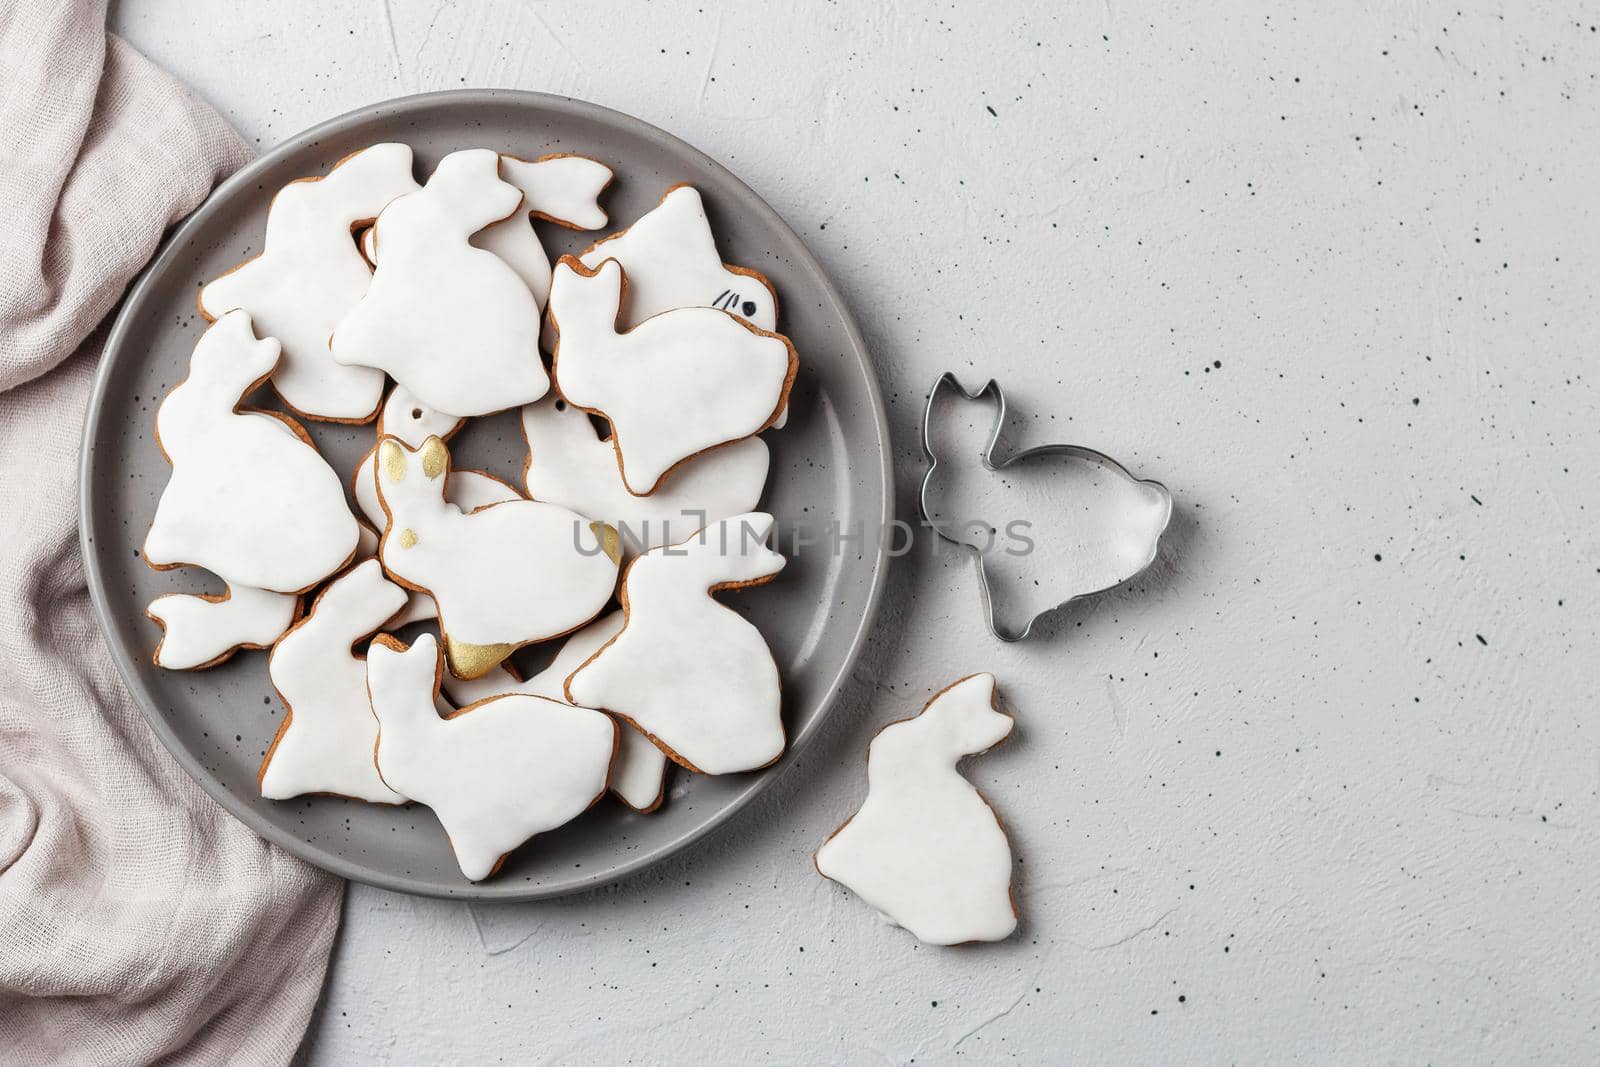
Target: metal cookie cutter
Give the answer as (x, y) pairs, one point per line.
(1126, 543)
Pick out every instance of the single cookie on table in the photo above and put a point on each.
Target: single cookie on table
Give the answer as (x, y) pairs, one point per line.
(568, 463)
(310, 274)
(926, 849)
(200, 630)
(689, 672)
(326, 740)
(672, 262)
(679, 384)
(639, 773)
(503, 576)
(250, 499)
(496, 772)
(452, 323)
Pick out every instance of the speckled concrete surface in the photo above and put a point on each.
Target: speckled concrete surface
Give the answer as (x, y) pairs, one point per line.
(1323, 785)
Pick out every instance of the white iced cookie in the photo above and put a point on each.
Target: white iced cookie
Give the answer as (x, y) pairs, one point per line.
(205, 629)
(569, 464)
(413, 422)
(679, 384)
(495, 773)
(672, 262)
(564, 189)
(326, 740)
(926, 849)
(691, 673)
(502, 576)
(638, 775)
(452, 323)
(310, 274)
(467, 489)
(249, 499)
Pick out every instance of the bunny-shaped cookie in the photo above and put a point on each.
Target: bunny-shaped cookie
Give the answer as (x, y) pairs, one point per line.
(496, 772)
(676, 385)
(694, 675)
(249, 498)
(925, 848)
(309, 275)
(503, 576)
(451, 322)
(569, 464)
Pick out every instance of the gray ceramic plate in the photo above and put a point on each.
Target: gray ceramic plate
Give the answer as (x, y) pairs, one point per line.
(831, 463)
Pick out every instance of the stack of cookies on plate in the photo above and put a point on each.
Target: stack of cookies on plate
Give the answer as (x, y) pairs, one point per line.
(643, 369)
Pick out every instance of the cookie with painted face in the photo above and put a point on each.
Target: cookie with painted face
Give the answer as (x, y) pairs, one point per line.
(678, 385)
(688, 671)
(502, 576)
(568, 463)
(926, 849)
(638, 774)
(326, 740)
(496, 772)
(250, 499)
(671, 258)
(451, 322)
(310, 274)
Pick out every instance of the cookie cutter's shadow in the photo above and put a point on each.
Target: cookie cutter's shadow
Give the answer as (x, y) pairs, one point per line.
(1113, 547)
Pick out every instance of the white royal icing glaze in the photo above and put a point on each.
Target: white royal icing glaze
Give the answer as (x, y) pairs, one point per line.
(452, 323)
(564, 189)
(310, 274)
(468, 490)
(679, 384)
(503, 576)
(495, 773)
(672, 262)
(569, 464)
(326, 741)
(203, 630)
(926, 849)
(691, 673)
(639, 772)
(671, 258)
(413, 422)
(248, 500)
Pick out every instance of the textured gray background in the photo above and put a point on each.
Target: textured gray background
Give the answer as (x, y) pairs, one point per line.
(1286, 799)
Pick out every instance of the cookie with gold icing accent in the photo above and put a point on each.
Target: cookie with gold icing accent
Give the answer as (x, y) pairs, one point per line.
(638, 775)
(502, 576)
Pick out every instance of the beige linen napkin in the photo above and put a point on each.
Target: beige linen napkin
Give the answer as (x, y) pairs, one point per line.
(138, 921)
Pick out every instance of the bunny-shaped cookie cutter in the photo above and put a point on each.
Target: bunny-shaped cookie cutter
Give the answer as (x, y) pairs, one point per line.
(1139, 564)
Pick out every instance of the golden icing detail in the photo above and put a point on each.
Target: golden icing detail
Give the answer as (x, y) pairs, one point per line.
(474, 661)
(393, 458)
(610, 541)
(408, 537)
(435, 458)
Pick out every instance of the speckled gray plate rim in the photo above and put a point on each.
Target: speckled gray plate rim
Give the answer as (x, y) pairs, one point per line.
(832, 460)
